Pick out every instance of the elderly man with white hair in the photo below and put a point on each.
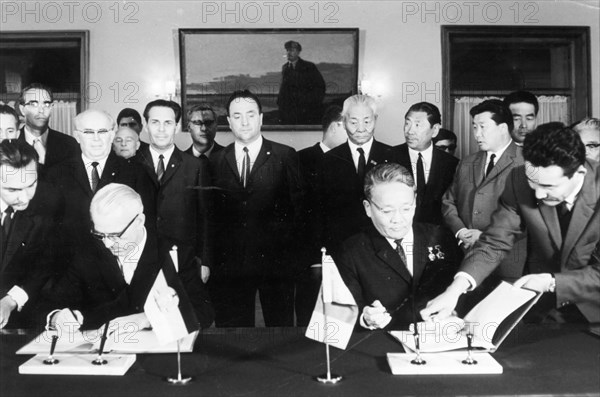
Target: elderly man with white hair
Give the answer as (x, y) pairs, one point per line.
(113, 276)
(96, 166)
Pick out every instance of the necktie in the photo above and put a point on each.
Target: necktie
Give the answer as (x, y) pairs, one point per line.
(490, 165)
(160, 170)
(360, 171)
(245, 167)
(564, 218)
(401, 252)
(95, 176)
(420, 179)
(40, 149)
(6, 224)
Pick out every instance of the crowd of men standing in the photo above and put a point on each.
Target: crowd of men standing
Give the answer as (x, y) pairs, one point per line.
(89, 220)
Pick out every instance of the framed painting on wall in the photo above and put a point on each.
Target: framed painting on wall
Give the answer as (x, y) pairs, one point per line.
(296, 73)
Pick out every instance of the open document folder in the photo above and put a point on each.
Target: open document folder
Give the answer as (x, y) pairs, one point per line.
(140, 341)
(490, 322)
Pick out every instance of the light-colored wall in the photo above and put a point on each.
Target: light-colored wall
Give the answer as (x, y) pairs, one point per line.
(134, 44)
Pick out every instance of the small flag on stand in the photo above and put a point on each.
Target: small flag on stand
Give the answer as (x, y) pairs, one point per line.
(335, 312)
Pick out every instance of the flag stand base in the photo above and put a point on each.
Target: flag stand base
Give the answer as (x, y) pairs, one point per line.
(329, 378)
(179, 380)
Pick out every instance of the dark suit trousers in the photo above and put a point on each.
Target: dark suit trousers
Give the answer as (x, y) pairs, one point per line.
(234, 301)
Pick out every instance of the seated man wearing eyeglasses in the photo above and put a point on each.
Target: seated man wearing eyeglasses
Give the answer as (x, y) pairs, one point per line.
(96, 166)
(589, 132)
(202, 125)
(113, 276)
(394, 267)
(53, 147)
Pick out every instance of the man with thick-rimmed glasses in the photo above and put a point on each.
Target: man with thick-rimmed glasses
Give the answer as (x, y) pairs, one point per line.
(53, 147)
(202, 125)
(113, 276)
(96, 166)
(394, 256)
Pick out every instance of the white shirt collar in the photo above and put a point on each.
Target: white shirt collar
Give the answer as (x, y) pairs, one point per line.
(427, 155)
(206, 153)
(166, 156)
(29, 137)
(324, 147)
(570, 199)
(498, 153)
(89, 168)
(253, 150)
(366, 148)
(130, 260)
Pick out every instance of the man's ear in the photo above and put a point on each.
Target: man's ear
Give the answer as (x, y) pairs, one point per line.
(368, 208)
(436, 130)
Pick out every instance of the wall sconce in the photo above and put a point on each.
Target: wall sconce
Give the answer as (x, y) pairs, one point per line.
(372, 87)
(171, 89)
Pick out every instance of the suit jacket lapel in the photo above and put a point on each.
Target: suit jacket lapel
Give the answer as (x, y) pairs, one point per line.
(21, 227)
(504, 161)
(551, 219)
(389, 256)
(80, 174)
(582, 213)
(263, 154)
(404, 158)
(230, 158)
(109, 171)
(420, 254)
(146, 159)
(171, 168)
(478, 164)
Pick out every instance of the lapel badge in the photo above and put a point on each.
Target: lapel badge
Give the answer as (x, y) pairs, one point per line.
(373, 162)
(435, 252)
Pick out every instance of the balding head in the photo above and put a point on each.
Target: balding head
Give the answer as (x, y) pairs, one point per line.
(126, 142)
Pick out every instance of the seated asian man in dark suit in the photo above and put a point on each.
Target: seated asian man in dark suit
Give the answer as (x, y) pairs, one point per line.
(396, 260)
(554, 197)
(433, 170)
(30, 210)
(112, 277)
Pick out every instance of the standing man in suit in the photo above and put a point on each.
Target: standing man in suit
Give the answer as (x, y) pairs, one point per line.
(27, 233)
(80, 177)
(177, 178)
(302, 89)
(258, 199)
(395, 260)
(479, 181)
(524, 107)
(311, 158)
(432, 170)
(53, 147)
(343, 171)
(554, 196)
(114, 274)
(202, 125)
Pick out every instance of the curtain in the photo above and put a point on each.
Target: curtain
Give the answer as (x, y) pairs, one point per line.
(62, 115)
(552, 108)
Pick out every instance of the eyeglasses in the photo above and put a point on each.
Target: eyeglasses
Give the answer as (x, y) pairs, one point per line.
(446, 147)
(208, 123)
(112, 236)
(406, 210)
(102, 131)
(592, 146)
(37, 104)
